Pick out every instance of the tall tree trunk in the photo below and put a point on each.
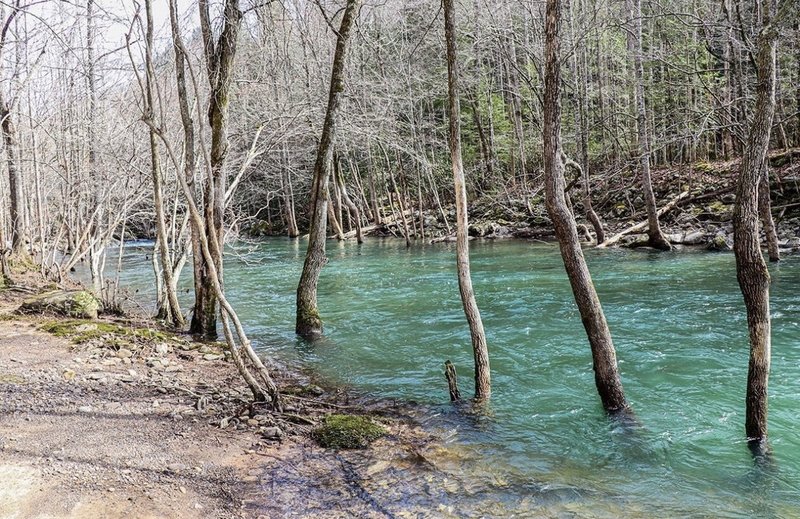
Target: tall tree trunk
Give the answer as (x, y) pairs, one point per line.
(582, 124)
(656, 238)
(483, 386)
(751, 270)
(594, 321)
(171, 309)
(220, 56)
(308, 322)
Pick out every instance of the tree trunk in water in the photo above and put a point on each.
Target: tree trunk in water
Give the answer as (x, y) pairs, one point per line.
(594, 321)
(656, 238)
(751, 270)
(308, 322)
(479, 347)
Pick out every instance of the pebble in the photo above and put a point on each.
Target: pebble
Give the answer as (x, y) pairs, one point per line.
(124, 353)
(162, 349)
(271, 433)
(211, 356)
(85, 409)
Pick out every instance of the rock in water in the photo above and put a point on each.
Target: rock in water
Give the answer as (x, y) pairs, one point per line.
(70, 303)
(721, 242)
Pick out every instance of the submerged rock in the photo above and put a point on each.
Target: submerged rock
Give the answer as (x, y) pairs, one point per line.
(341, 431)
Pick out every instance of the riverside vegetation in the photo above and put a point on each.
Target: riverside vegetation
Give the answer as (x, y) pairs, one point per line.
(637, 133)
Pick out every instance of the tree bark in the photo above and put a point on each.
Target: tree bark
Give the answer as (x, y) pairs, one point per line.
(308, 322)
(751, 269)
(765, 213)
(603, 354)
(220, 56)
(170, 308)
(479, 347)
(656, 238)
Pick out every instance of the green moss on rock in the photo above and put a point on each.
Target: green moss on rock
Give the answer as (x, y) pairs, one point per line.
(70, 303)
(340, 431)
(81, 331)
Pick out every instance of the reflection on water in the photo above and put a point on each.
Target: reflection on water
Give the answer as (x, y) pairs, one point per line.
(393, 316)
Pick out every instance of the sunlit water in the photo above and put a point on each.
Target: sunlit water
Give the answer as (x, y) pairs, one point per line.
(393, 316)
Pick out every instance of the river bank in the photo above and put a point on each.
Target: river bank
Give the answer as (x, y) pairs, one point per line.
(700, 197)
(116, 418)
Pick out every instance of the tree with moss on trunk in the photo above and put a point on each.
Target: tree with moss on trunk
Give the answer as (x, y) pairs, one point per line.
(604, 356)
(308, 322)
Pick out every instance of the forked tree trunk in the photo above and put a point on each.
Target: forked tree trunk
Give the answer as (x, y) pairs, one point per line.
(656, 238)
(594, 321)
(308, 323)
(751, 269)
(480, 350)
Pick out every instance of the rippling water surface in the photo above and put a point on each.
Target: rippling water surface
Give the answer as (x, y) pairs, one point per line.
(393, 316)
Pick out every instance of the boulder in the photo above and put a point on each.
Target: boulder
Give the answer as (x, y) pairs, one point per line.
(69, 303)
(721, 242)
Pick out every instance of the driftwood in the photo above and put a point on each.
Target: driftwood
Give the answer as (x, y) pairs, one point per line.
(369, 228)
(642, 225)
(452, 381)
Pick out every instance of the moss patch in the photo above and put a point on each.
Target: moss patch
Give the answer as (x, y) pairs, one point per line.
(81, 331)
(11, 379)
(341, 431)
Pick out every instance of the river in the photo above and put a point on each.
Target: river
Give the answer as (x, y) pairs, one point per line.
(393, 316)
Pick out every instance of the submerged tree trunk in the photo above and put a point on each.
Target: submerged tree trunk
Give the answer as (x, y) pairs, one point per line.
(656, 238)
(479, 347)
(751, 269)
(308, 323)
(594, 321)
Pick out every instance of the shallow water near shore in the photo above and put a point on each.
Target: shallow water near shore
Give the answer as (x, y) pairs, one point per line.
(393, 316)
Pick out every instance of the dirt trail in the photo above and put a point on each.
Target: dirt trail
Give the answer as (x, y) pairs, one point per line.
(92, 438)
(96, 430)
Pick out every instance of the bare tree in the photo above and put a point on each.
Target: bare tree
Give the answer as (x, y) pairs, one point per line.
(309, 323)
(606, 374)
(483, 384)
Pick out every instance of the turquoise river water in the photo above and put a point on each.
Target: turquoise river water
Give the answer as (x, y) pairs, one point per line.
(393, 316)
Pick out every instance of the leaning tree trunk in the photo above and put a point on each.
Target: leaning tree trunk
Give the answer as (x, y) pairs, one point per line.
(656, 238)
(483, 386)
(594, 321)
(751, 269)
(308, 323)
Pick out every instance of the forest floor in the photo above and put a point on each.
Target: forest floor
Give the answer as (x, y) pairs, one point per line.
(704, 196)
(158, 426)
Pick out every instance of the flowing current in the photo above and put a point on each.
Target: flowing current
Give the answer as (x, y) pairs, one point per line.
(393, 316)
